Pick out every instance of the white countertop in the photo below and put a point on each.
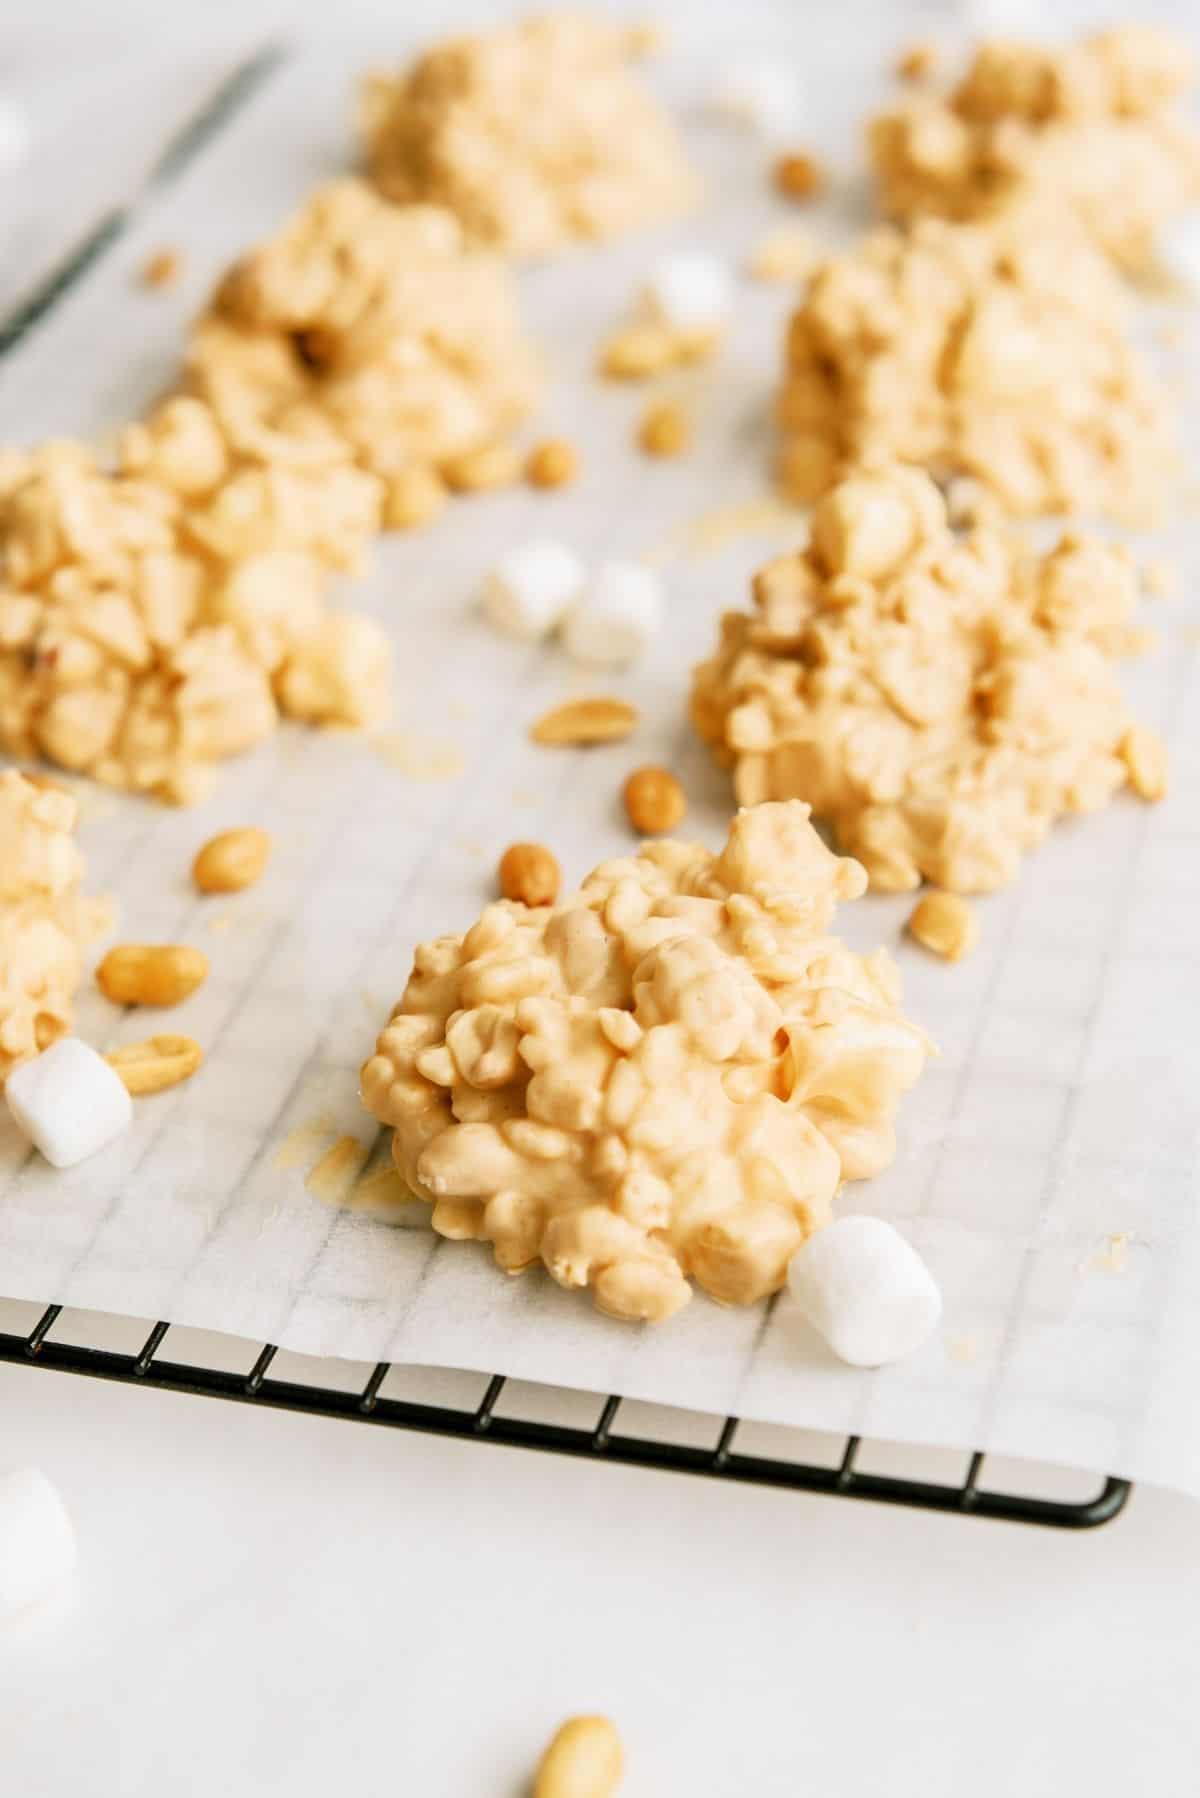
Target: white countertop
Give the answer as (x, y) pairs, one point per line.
(268, 1603)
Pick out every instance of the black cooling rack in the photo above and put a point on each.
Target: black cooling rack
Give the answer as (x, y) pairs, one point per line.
(601, 1442)
(482, 1422)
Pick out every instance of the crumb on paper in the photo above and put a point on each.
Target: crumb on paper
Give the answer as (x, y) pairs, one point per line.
(162, 269)
(332, 1177)
(721, 525)
(1110, 1256)
(420, 758)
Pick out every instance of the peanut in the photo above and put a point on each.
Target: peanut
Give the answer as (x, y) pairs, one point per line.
(638, 351)
(918, 62)
(232, 860)
(584, 1760)
(600, 720)
(162, 269)
(665, 429)
(479, 470)
(530, 874)
(412, 497)
(798, 176)
(158, 1062)
(151, 973)
(553, 463)
(654, 800)
(945, 923)
(1145, 757)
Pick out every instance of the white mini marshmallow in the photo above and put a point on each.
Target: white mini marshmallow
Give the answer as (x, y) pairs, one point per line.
(865, 1289)
(37, 1540)
(760, 96)
(68, 1101)
(617, 617)
(690, 292)
(1179, 250)
(16, 137)
(530, 588)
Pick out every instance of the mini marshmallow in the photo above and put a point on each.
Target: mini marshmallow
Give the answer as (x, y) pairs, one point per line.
(530, 588)
(16, 138)
(865, 1289)
(690, 292)
(68, 1101)
(759, 96)
(617, 617)
(37, 1540)
(1179, 250)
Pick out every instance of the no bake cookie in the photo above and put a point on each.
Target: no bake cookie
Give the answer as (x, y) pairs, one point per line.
(940, 701)
(662, 1078)
(533, 134)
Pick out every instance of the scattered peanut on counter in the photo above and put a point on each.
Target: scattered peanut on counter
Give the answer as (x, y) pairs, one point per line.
(583, 1760)
(665, 429)
(162, 269)
(530, 874)
(151, 973)
(480, 470)
(654, 800)
(232, 860)
(798, 176)
(598, 720)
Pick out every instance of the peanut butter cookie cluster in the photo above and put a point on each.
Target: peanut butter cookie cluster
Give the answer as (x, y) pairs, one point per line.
(941, 701)
(534, 134)
(1090, 127)
(46, 922)
(663, 1077)
(998, 351)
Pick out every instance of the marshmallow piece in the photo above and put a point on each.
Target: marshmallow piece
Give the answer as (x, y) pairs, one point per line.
(1179, 250)
(690, 292)
(530, 588)
(759, 96)
(16, 137)
(617, 617)
(37, 1540)
(865, 1289)
(68, 1101)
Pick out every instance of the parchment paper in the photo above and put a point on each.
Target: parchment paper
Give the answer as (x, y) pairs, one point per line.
(1048, 1166)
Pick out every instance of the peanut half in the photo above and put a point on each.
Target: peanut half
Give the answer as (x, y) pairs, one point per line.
(232, 860)
(945, 923)
(157, 1063)
(151, 973)
(654, 800)
(530, 874)
(583, 1760)
(599, 720)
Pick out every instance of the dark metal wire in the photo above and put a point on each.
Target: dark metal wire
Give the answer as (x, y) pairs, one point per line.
(482, 1423)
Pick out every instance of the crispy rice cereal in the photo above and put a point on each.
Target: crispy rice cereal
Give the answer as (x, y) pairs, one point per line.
(996, 351)
(1091, 126)
(664, 1077)
(154, 620)
(941, 702)
(534, 134)
(363, 334)
(45, 921)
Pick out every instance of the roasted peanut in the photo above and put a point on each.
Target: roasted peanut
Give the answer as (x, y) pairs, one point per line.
(552, 464)
(638, 351)
(945, 923)
(530, 874)
(599, 720)
(479, 470)
(157, 1063)
(918, 62)
(584, 1760)
(151, 973)
(1145, 756)
(232, 860)
(798, 176)
(162, 269)
(654, 800)
(665, 429)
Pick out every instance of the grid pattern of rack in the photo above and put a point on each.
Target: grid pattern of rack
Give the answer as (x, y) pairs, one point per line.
(601, 1442)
